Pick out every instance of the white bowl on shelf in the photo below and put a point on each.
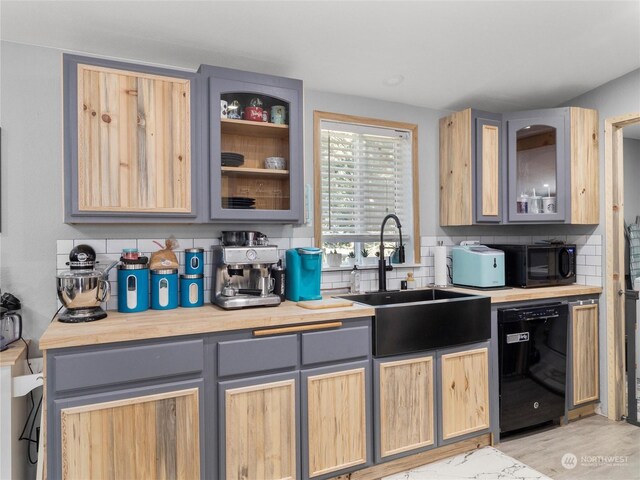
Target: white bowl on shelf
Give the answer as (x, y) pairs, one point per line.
(274, 163)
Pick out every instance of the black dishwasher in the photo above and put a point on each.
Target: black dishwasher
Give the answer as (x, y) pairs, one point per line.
(533, 363)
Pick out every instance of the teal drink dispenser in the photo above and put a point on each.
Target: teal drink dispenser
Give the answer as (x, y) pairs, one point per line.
(304, 267)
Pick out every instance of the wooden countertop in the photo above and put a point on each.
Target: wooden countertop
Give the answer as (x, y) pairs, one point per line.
(12, 354)
(520, 294)
(122, 327)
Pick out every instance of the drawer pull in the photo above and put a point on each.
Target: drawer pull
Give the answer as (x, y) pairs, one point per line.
(296, 328)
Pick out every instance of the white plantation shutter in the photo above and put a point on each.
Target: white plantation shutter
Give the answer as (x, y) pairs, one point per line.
(365, 175)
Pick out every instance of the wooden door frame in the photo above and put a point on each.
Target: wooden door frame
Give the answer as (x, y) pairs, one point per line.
(614, 255)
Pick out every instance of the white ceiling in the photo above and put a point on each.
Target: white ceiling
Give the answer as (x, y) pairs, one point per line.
(493, 55)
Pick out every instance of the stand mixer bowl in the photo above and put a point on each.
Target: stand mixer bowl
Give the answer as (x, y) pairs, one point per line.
(80, 289)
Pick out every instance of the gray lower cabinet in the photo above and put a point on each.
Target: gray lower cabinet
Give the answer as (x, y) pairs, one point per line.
(336, 413)
(258, 422)
(138, 408)
(463, 380)
(404, 411)
(296, 405)
(431, 399)
(583, 359)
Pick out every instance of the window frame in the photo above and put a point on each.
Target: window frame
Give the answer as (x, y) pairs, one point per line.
(318, 117)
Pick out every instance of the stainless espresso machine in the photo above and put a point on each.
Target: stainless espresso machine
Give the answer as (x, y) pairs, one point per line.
(242, 276)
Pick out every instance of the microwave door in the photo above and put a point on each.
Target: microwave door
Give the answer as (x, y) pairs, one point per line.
(540, 263)
(564, 259)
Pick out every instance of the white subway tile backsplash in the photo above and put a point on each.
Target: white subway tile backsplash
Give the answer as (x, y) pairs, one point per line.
(585, 269)
(61, 261)
(116, 245)
(282, 243)
(205, 243)
(99, 245)
(148, 245)
(301, 242)
(588, 260)
(183, 244)
(64, 247)
(586, 249)
(593, 281)
(593, 260)
(428, 241)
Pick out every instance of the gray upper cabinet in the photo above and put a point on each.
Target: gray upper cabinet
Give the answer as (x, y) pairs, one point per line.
(553, 167)
(538, 177)
(130, 142)
(538, 166)
(255, 117)
(471, 166)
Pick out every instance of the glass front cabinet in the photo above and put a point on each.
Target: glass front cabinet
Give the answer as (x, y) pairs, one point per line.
(537, 170)
(255, 147)
(538, 166)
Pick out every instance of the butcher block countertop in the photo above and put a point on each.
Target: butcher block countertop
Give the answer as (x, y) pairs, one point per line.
(524, 294)
(123, 327)
(10, 356)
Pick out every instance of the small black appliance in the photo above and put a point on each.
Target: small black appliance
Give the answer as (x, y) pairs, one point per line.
(532, 349)
(10, 320)
(539, 265)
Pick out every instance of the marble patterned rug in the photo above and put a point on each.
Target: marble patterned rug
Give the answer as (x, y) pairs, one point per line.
(483, 464)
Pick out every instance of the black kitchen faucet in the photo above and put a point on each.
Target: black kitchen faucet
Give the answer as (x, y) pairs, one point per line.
(382, 266)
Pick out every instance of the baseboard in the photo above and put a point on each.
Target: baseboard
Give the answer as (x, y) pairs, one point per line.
(412, 461)
(581, 412)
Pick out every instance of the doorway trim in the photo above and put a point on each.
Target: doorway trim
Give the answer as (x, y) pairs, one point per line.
(614, 257)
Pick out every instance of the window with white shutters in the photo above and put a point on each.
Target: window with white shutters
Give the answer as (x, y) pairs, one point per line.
(365, 174)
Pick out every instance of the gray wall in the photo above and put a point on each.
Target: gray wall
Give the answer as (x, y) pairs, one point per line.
(617, 97)
(31, 189)
(32, 176)
(631, 150)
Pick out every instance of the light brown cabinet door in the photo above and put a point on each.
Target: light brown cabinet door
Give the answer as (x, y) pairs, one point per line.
(584, 320)
(406, 405)
(153, 436)
(336, 411)
(585, 166)
(465, 392)
(134, 141)
(456, 167)
(260, 431)
(490, 159)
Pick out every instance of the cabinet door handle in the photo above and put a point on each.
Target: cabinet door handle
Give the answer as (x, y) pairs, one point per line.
(296, 328)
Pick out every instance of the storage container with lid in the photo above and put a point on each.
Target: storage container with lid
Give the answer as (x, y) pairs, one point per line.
(164, 289)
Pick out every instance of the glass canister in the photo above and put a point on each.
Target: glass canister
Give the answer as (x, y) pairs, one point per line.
(133, 287)
(191, 290)
(194, 261)
(164, 289)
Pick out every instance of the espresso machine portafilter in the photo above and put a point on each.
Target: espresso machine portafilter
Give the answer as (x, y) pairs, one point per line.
(242, 276)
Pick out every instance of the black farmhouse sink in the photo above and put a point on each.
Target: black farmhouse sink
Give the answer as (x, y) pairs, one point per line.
(410, 321)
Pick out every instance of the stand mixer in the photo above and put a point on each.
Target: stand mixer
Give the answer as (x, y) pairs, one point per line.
(242, 276)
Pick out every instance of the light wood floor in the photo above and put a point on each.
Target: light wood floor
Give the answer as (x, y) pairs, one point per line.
(604, 449)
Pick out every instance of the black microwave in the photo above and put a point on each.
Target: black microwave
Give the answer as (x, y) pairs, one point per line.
(538, 265)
